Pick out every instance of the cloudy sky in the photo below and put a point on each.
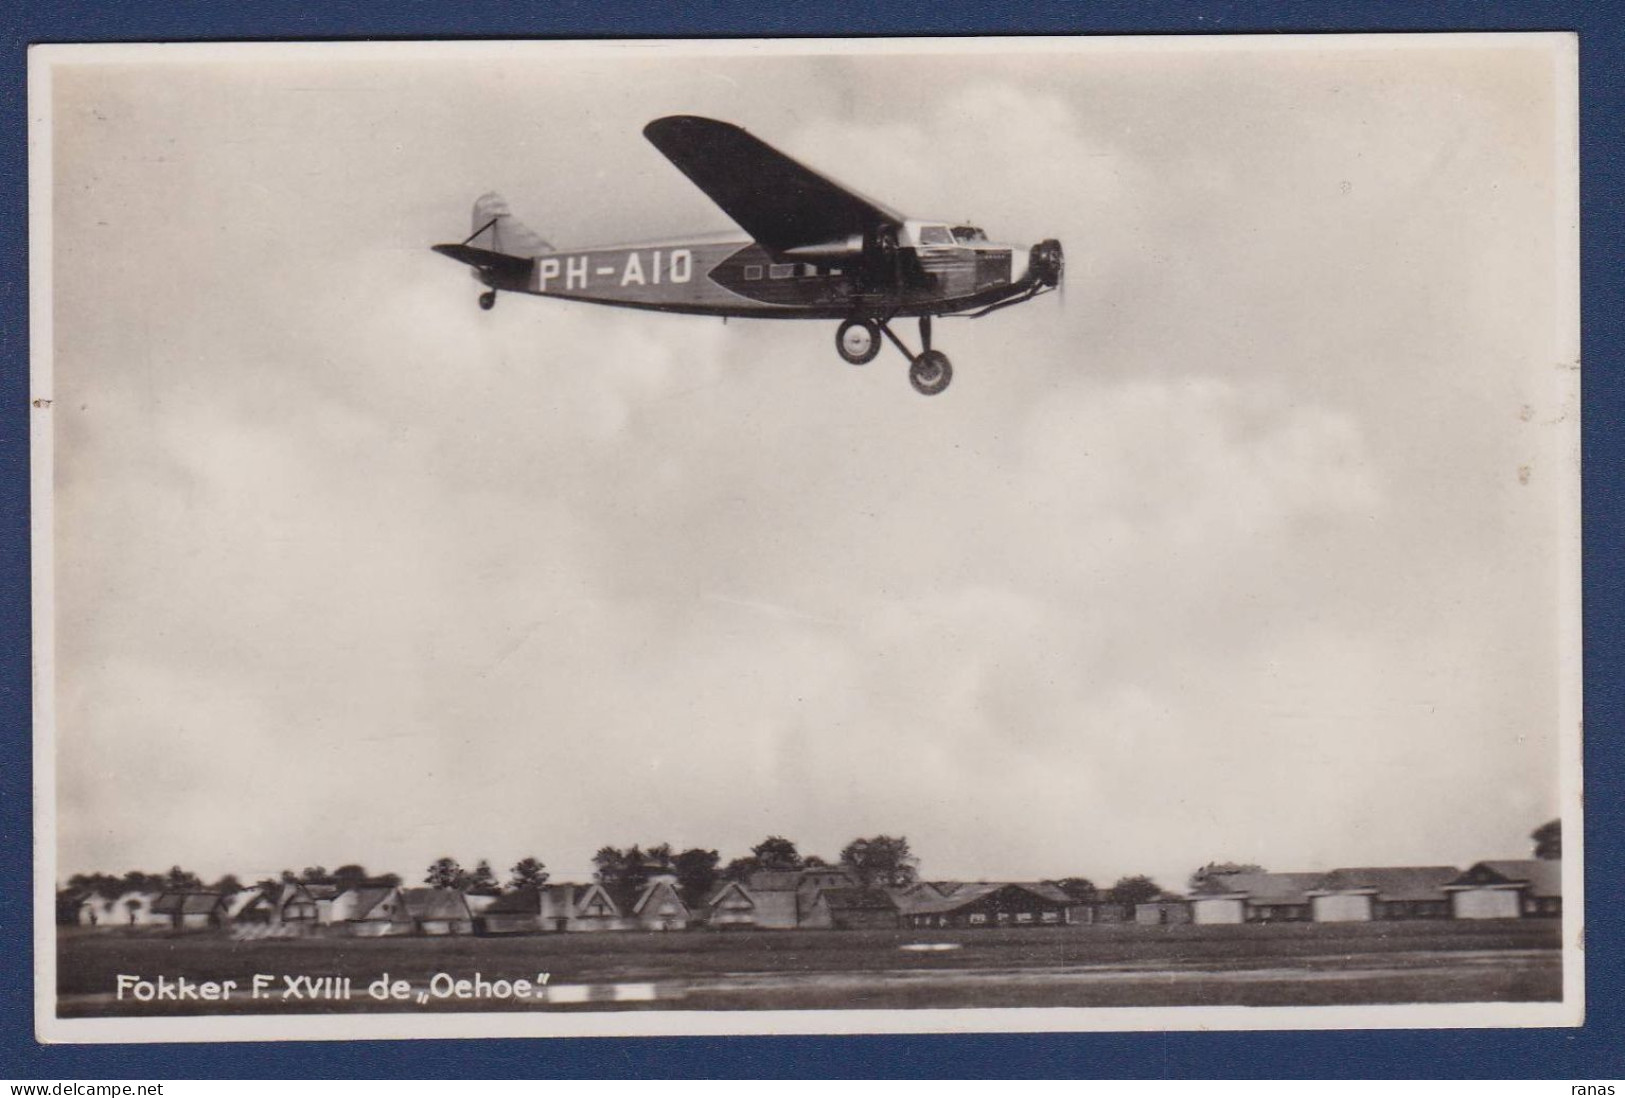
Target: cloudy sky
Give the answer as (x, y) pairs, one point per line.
(1245, 548)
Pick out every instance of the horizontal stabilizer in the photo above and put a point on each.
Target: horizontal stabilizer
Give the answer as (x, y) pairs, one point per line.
(507, 268)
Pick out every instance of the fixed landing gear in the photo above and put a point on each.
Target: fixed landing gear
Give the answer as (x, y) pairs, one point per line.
(930, 372)
(488, 299)
(858, 341)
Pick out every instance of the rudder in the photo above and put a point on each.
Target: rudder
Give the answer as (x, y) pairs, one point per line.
(495, 227)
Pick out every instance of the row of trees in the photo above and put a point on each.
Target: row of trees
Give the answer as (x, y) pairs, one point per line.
(879, 860)
(111, 886)
(882, 860)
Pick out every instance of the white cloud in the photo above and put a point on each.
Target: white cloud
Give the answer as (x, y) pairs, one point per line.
(1147, 586)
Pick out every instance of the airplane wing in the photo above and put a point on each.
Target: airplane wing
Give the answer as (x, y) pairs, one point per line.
(782, 203)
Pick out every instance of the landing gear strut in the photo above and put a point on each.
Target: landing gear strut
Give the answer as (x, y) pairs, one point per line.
(858, 341)
(488, 299)
(929, 371)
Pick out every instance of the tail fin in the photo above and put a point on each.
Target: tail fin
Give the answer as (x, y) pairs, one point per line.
(496, 228)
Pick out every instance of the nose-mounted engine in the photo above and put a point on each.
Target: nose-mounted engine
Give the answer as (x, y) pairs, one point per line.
(1045, 262)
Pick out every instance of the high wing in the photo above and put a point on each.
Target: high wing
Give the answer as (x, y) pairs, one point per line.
(779, 202)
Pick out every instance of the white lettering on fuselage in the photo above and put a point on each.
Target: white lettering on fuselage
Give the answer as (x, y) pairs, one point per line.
(580, 272)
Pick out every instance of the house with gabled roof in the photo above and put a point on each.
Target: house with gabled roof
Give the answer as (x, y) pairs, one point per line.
(98, 910)
(730, 907)
(995, 903)
(852, 908)
(526, 910)
(191, 910)
(782, 898)
(777, 897)
(813, 880)
(371, 911)
(1368, 893)
(248, 905)
(659, 906)
(127, 909)
(1253, 898)
(1164, 909)
(436, 911)
(1508, 890)
(304, 903)
(593, 908)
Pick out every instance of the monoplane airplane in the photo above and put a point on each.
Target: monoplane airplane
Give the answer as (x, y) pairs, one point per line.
(816, 250)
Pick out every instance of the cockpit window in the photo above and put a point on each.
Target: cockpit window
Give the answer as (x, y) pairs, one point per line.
(968, 234)
(935, 235)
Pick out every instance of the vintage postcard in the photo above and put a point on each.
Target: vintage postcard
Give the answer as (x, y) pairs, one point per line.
(839, 536)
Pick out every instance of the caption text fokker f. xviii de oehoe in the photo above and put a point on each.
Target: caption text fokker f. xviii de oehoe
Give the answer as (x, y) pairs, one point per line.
(817, 250)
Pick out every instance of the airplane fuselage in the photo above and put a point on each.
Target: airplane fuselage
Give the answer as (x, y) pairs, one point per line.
(737, 277)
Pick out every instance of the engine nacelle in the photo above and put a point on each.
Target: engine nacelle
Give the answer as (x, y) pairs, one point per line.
(848, 248)
(1045, 262)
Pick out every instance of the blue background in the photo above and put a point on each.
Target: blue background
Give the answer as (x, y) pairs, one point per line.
(1596, 1051)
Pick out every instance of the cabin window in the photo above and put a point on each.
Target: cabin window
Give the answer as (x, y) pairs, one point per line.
(835, 272)
(1024, 916)
(1051, 916)
(935, 236)
(977, 919)
(782, 270)
(968, 234)
(809, 270)
(753, 273)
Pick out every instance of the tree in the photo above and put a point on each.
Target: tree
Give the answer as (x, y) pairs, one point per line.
(1133, 890)
(315, 874)
(777, 852)
(1548, 840)
(527, 873)
(1081, 889)
(482, 882)
(1220, 869)
(696, 871)
(446, 873)
(104, 885)
(350, 876)
(883, 861)
(623, 873)
(607, 864)
(180, 880)
(813, 861)
(227, 885)
(137, 881)
(740, 869)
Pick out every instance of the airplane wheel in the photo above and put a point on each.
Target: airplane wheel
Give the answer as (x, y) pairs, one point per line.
(488, 299)
(930, 372)
(858, 341)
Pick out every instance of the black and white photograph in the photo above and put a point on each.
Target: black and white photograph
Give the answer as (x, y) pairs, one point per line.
(805, 536)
